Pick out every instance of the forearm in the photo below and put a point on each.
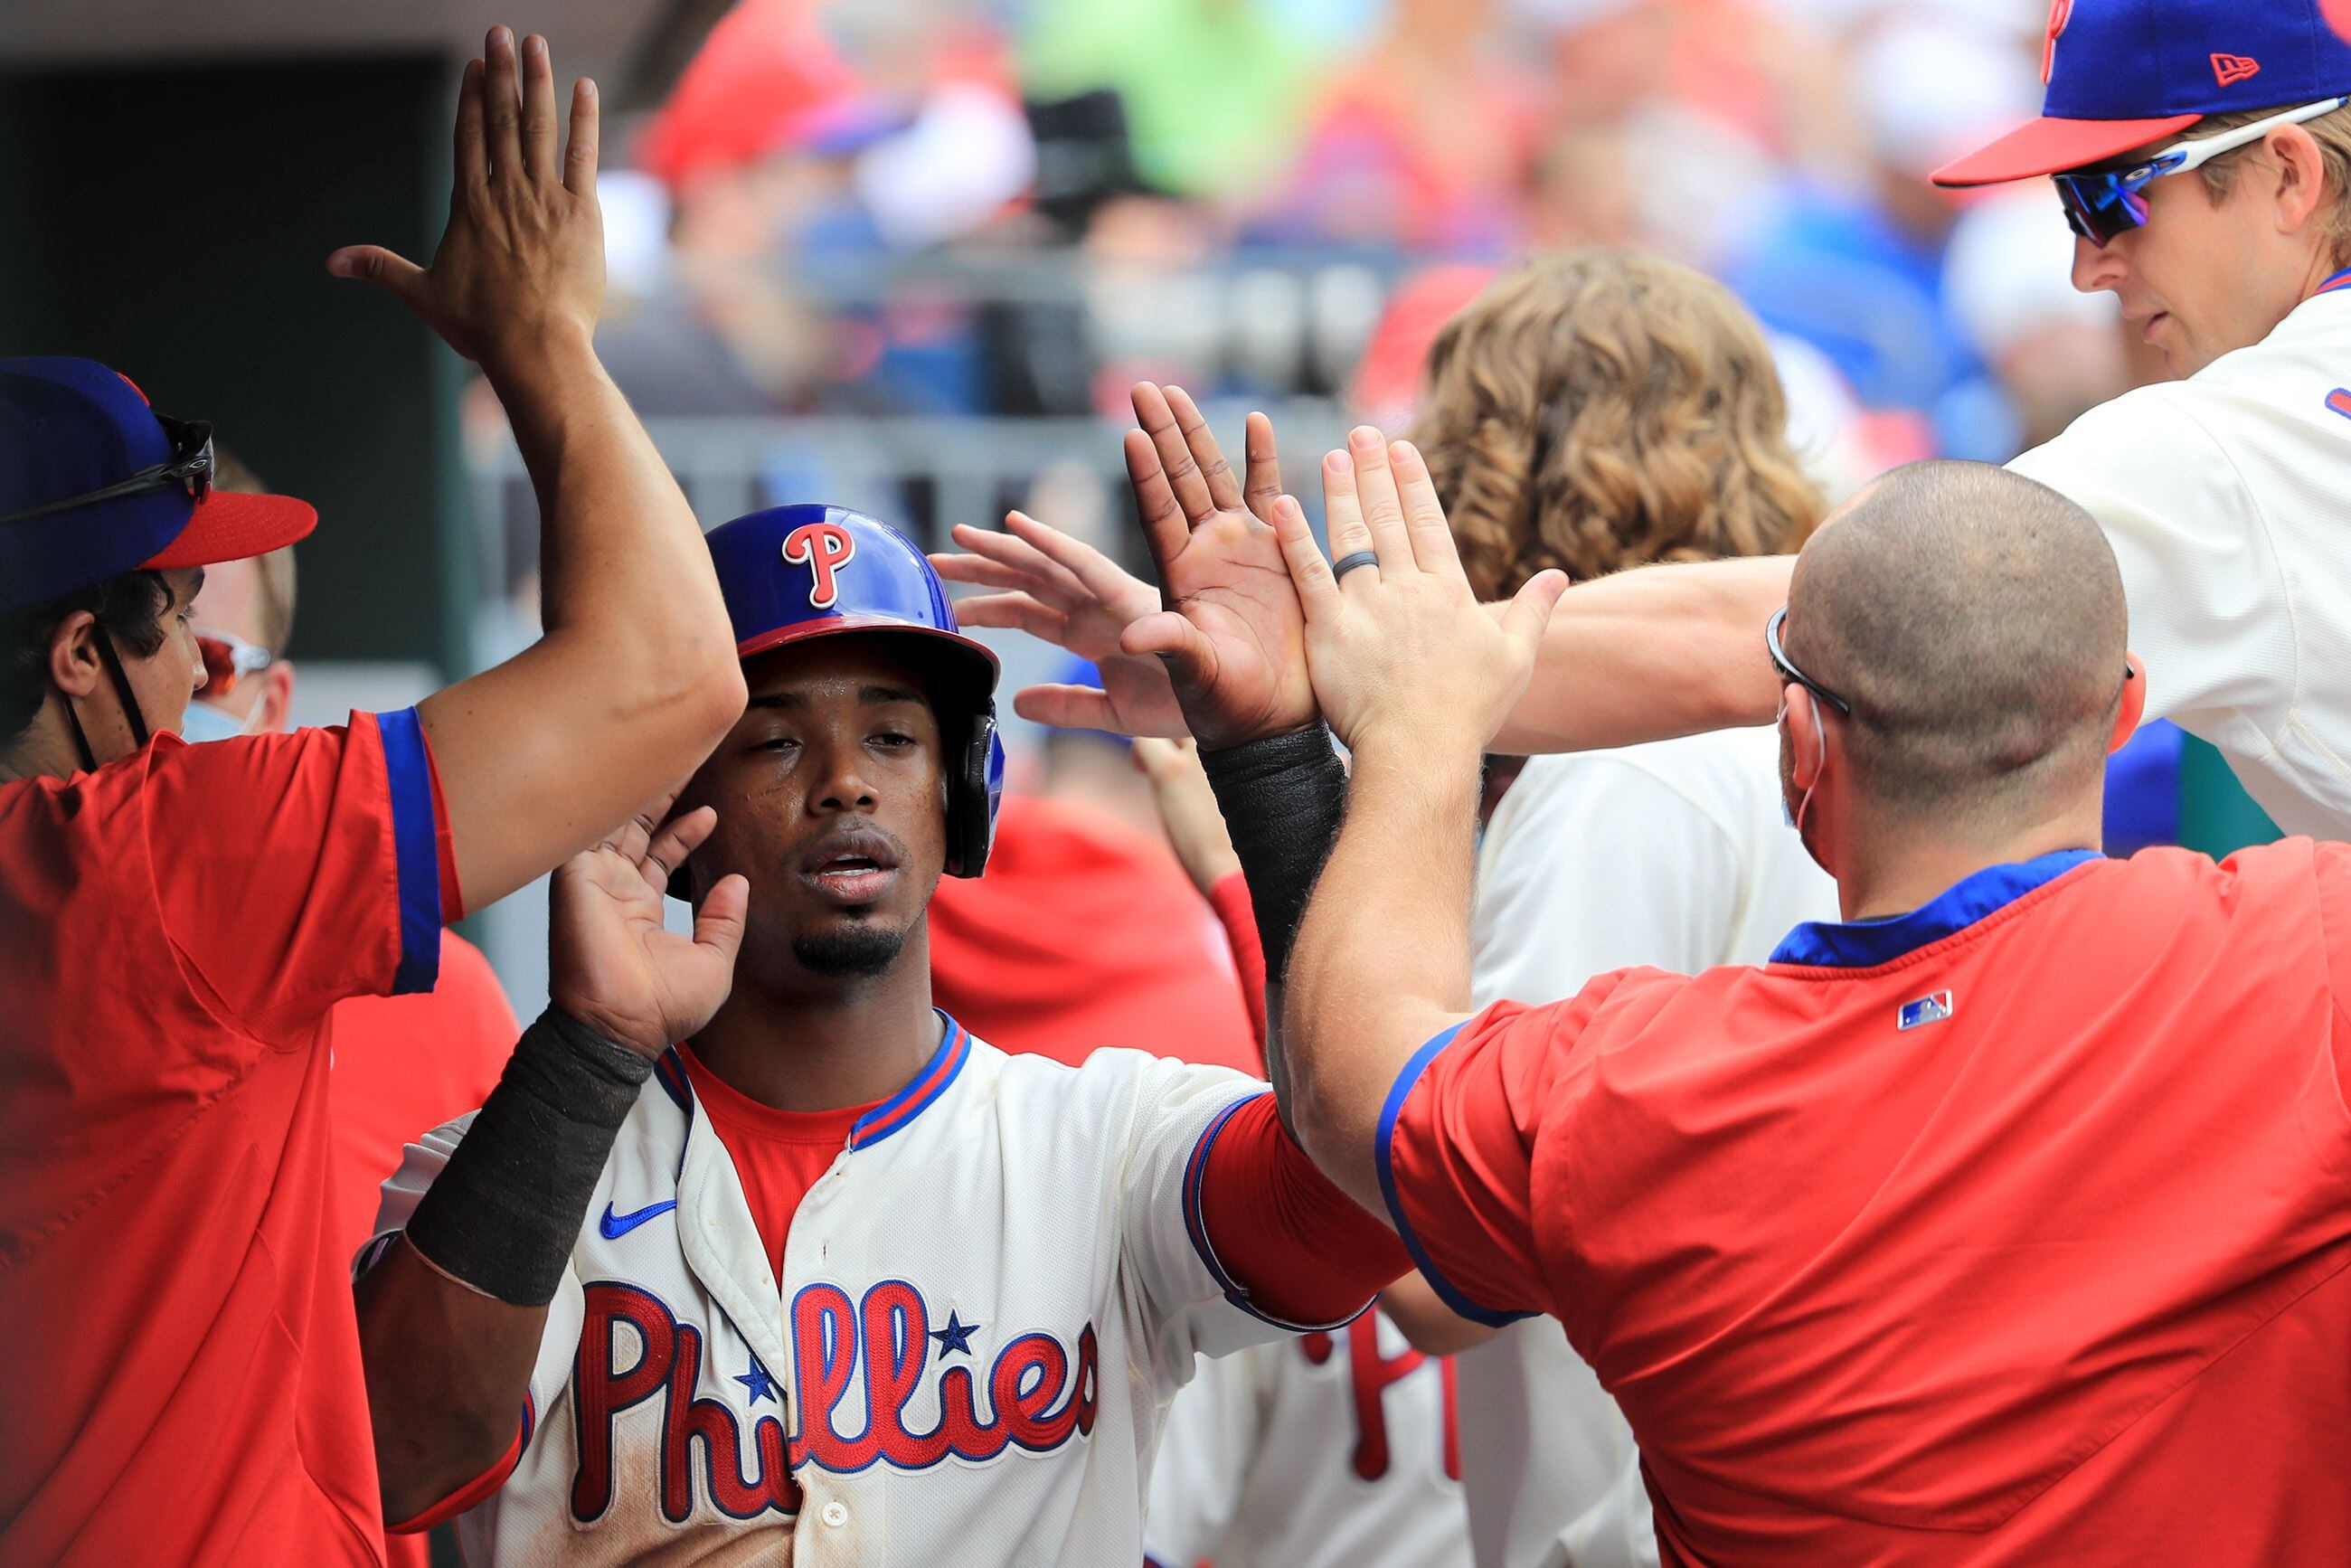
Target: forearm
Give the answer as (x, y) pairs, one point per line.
(1653, 654)
(448, 1372)
(450, 1316)
(635, 678)
(1381, 961)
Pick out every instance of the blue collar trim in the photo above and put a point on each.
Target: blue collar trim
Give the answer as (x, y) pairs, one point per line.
(896, 1112)
(2340, 280)
(1865, 944)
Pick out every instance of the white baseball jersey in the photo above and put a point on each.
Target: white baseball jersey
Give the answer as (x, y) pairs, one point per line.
(1674, 855)
(2224, 497)
(1335, 1451)
(987, 1301)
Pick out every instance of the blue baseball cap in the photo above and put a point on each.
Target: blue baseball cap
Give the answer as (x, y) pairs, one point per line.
(94, 482)
(2124, 73)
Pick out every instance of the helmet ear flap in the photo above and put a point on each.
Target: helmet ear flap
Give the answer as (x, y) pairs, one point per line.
(975, 786)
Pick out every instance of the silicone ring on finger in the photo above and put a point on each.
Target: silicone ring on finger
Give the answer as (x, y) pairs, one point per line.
(1350, 562)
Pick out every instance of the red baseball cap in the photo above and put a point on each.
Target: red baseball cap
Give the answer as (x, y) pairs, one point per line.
(2124, 73)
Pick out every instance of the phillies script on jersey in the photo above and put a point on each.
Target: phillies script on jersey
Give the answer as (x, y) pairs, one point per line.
(987, 1300)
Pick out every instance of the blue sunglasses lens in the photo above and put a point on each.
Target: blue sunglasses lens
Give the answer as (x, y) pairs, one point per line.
(2100, 206)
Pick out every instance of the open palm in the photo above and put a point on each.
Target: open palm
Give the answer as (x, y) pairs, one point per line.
(1232, 635)
(1222, 655)
(612, 964)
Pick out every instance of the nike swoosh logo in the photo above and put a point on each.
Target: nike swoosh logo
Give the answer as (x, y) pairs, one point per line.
(615, 1226)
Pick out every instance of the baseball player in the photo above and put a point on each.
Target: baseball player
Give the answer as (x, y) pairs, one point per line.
(817, 1271)
(185, 1381)
(2002, 1219)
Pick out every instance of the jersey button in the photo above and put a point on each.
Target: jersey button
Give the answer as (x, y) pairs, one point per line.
(835, 1513)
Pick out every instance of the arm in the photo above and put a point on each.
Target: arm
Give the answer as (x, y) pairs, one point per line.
(451, 1313)
(1652, 654)
(1415, 678)
(1428, 1324)
(635, 679)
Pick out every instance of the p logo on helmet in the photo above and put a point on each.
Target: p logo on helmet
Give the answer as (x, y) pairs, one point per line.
(824, 548)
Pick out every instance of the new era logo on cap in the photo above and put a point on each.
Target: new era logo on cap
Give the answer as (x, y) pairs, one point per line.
(2230, 69)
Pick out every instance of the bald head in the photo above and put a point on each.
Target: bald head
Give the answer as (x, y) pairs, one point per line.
(1974, 620)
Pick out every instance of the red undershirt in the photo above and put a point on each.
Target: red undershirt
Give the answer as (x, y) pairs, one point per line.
(777, 1155)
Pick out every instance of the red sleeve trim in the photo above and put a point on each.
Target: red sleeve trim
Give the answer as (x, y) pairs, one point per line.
(1234, 912)
(476, 1490)
(1284, 1245)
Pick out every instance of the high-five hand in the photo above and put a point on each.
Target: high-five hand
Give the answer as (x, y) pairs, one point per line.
(1066, 592)
(1401, 655)
(1232, 638)
(524, 251)
(611, 963)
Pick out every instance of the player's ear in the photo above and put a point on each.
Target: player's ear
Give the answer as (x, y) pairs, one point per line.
(2134, 704)
(1807, 739)
(74, 667)
(277, 698)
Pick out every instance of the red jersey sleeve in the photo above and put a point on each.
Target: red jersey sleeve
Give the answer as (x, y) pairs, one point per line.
(1457, 1143)
(293, 871)
(1282, 1241)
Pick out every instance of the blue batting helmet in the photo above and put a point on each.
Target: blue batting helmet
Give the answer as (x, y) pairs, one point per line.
(789, 573)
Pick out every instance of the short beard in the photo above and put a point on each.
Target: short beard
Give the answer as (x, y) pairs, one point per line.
(849, 952)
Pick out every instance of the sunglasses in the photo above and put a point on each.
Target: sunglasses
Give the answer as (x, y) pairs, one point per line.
(228, 659)
(189, 469)
(1788, 670)
(1789, 673)
(2102, 204)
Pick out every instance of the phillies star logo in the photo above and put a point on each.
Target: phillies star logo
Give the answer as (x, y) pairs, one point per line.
(824, 548)
(2059, 13)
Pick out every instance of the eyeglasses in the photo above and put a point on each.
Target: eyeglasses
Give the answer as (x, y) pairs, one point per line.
(2102, 204)
(1789, 671)
(190, 468)
(228, 659)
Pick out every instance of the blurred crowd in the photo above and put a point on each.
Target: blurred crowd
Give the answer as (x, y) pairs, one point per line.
(932, 207)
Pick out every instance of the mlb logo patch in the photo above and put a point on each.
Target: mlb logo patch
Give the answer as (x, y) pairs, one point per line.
(1926, 1010)
(2339, 399)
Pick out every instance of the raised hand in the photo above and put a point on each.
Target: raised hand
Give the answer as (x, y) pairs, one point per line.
(523, 250)
(1069, 593)
(1232, 636)
(1404, 662)
(611, 964)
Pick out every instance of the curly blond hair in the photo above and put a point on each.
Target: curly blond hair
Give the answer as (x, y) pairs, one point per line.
(1604, 409)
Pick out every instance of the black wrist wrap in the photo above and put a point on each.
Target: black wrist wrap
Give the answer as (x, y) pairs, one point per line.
(504, 1213)
(1282, 798)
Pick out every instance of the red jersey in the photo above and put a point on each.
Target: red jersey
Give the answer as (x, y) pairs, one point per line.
(186, 1386)
(2013, 1229)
